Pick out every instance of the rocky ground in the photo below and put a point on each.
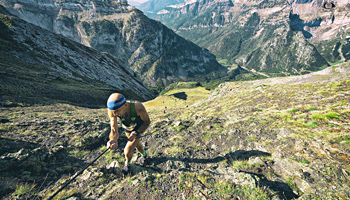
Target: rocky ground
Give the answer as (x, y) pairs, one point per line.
(279, 138)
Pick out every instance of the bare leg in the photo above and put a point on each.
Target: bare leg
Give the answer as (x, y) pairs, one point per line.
(139, 146)
(129, 149)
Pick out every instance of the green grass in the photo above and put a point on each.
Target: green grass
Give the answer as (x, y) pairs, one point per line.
(336, 63)
(207, 136)
(294, 110)
(304, 161)
(343, 139)
(79, 153)
(180, 85)
(332, 115)
(252, 193)
(346, 112)
(25, 189)
(311, 124)
(4, 128)
(220, 189)
(293, 185)
(180, 128)
(244, 164)
(65, 194)
(318, 116)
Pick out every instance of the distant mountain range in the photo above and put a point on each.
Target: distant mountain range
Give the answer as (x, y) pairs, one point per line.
(257, 37)
(155, 6)
(271, 37)
(153, 51)
(136, 2)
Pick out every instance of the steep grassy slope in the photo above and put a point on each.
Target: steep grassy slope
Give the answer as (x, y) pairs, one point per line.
(278, 138)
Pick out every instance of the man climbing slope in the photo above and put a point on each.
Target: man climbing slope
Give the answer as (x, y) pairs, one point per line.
(134, 119)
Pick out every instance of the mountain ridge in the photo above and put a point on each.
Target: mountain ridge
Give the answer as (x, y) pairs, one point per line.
(153, 51)
(30, 53)
(259, 35)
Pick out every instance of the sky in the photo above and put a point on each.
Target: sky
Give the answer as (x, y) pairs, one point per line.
(140, 1)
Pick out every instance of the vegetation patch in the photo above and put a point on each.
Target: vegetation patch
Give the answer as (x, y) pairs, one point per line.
(332, 115)
(25, 189)
(318, 116)
(192, 144)
(7, 20)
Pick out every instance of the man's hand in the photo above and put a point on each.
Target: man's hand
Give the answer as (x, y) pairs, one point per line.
(112, 144)
(132, 136)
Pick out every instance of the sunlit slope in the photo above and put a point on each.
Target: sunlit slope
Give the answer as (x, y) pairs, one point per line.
(276, 138)
(312, 106)
(180, 98)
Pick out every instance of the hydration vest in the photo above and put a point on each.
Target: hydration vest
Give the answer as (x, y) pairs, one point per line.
(132, 121)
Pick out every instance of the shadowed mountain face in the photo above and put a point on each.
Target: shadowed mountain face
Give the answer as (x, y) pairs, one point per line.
(38, 63)
(154, 52)
(274, 37)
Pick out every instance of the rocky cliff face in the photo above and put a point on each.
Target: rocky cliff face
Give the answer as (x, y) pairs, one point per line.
(326, 28)
(288, 37)
(152, 50)
(65, 58)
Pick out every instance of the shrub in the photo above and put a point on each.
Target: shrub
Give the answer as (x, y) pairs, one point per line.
(206, 136)
(23, 189)
(294, 110)
(332, 115)
(313, 124)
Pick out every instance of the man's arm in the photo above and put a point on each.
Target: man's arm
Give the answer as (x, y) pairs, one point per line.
(113, 135)
(141, 111)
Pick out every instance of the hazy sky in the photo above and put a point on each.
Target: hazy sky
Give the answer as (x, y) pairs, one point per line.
(140, 1)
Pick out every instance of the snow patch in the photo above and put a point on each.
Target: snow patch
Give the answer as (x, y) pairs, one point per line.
(162, 12)
(183, 4)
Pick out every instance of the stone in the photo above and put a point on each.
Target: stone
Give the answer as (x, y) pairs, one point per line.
(114, 167)
(256, 160)
(178, 123)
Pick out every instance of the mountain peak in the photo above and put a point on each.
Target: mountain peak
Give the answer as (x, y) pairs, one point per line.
(272, 37)
(157, 54)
